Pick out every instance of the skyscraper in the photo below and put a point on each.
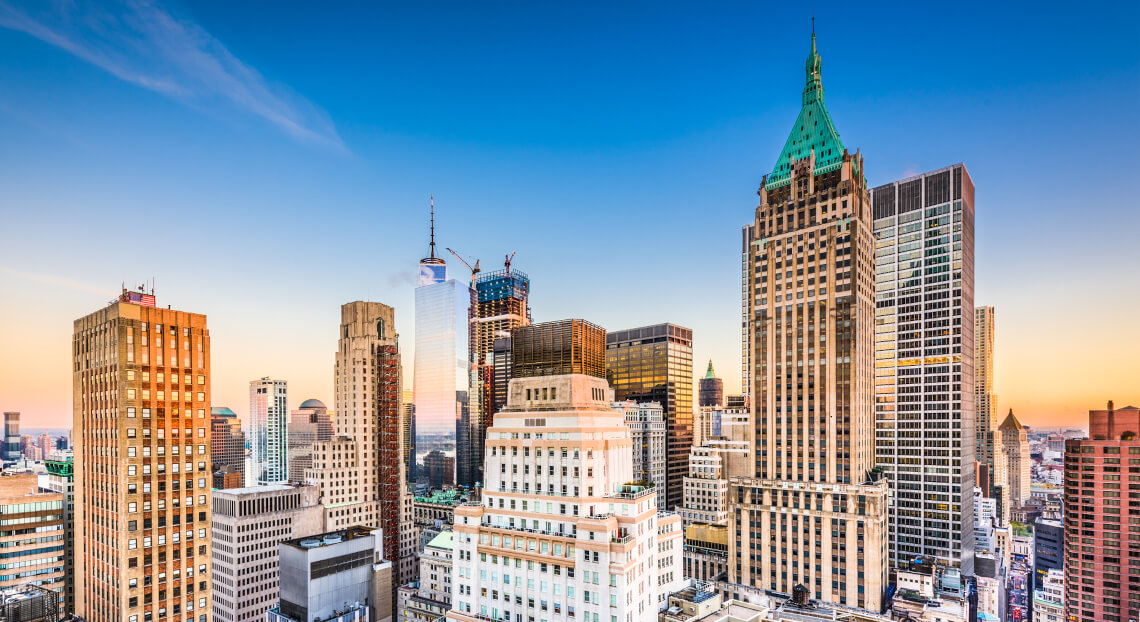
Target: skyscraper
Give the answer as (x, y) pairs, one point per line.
(408, 425)
(985, 401)
(46, 444)
(924, 371)
(442, 371)
(311, 423)
(141, 384)
(1102, 553)
(655, 364)
(558, 348)
(360, 471)
(574, 514)
(1015, 453)
(498, 306)
(814, 510)
(61, 479)
(268, 424)
(11, 437)
(711, 389)
(646, 423)
(227, 446)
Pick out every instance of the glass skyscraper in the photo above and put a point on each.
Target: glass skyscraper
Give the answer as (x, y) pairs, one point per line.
(268, 423)
(655, 364)
(441, 366)
(442, 370)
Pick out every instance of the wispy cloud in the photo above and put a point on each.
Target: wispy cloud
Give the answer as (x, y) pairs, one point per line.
(142, 43)
(56, 281)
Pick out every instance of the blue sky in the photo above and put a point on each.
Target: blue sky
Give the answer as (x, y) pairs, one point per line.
(266, 163)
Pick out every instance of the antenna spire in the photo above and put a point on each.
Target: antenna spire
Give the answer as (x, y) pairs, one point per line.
(432, 226)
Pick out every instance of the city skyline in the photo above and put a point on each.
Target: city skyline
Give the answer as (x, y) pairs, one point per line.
(695, 159)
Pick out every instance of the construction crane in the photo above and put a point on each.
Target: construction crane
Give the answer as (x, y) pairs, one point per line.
(474, 270)
(510, 258)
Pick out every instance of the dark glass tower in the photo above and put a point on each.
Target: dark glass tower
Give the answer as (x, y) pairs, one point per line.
(655, 364)
(557, 348)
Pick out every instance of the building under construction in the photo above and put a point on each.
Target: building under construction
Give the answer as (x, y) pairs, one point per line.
(498, 305)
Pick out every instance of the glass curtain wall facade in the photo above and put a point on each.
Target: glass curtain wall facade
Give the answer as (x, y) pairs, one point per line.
(441, 367)
(924, 363)
(655, 364)
(557, 348)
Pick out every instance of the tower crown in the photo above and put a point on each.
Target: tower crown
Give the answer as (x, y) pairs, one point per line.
(813, 87)
(813, 132)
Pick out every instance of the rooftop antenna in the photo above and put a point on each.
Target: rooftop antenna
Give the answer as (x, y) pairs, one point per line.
(432, 226)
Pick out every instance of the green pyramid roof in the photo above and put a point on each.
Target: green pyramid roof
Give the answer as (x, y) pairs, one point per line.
(710, 373)
(813, 130)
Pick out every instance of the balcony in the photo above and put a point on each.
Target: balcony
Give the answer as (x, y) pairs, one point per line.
(632, 492)
(627, 538)
(543, 532)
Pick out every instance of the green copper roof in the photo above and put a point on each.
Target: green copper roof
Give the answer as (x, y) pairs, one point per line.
(813, 130)
(710, 373)
(442, 541)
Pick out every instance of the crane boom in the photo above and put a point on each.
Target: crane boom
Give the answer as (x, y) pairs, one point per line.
(474, 270)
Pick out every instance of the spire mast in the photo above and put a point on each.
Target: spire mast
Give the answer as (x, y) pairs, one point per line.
(432, 226)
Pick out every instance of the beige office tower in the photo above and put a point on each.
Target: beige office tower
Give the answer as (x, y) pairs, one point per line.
(1015, 452)
(985, 401)
(360, 471)
(141, 386)
(813, 510)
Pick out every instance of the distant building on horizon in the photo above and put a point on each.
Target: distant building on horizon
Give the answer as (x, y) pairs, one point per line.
(227, 448)
(655, 364)
(440, 469)
(1102, 555)
(1015, 454)
(268, 427)
(711, 389)
(309, 424)
(12, 448)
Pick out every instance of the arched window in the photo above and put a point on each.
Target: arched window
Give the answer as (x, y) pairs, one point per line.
(380, 328)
